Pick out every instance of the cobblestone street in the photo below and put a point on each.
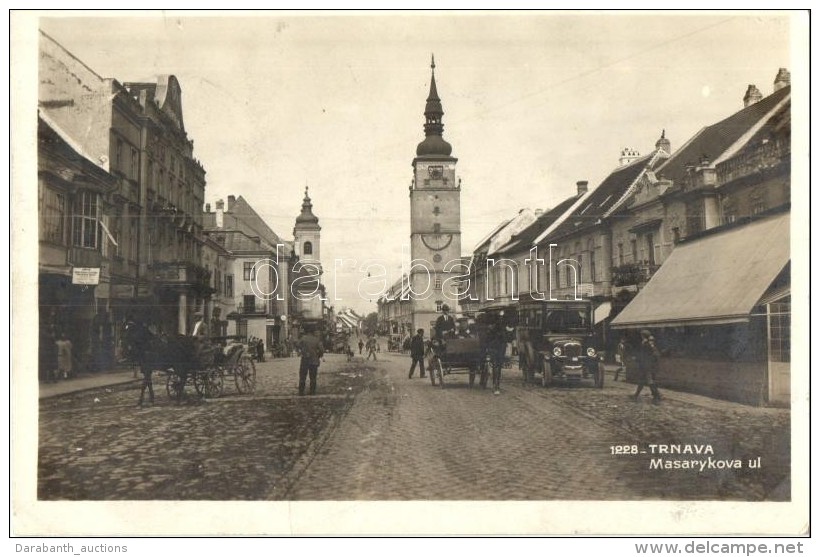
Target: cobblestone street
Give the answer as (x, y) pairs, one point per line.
(372, 434)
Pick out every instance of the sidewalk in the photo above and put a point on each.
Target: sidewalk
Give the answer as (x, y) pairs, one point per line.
(116, 376)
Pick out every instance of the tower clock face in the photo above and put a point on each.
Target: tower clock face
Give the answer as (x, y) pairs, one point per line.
(435, 172)
(436, 242)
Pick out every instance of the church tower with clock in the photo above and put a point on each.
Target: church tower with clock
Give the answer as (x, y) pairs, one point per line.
(435, 219)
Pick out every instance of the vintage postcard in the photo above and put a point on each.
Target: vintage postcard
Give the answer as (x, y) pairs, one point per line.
(414, 273)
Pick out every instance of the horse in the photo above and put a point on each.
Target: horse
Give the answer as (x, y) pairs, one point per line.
(153, 350)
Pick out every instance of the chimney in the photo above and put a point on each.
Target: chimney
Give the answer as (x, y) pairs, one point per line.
(582, 186)
(231, 201)
(207, 207)
(782, 79)
(752, 95)
(628, 155)
(220, 208)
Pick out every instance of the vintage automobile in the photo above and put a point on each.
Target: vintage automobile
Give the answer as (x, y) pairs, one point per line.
(556, 340)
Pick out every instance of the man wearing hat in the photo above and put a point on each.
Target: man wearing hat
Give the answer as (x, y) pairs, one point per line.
(445, 324)
(417, 353)
(200, 329)
(312, 352)
(648, 356)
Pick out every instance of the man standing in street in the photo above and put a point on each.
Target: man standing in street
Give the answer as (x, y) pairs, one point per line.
(417, 353)
(648, 356)
(361, 345)
(371, 348)
(312, 353)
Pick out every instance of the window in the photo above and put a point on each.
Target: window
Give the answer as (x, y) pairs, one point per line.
(133, 237)
(229, 286)
(86, 215)
(308, 249)
(118, 156)
(780, 331)
(52, 216)
(650, 248)
(247, 270)
(620, 254)
(439, 303)
(135, 162)
(150, 174)
(249, 303)
(242, 328)
(438, 284)
(592, 271)
(634, 250)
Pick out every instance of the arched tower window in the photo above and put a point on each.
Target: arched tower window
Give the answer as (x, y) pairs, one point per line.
(308, 249)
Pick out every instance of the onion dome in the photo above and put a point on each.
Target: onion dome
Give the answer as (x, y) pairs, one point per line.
(433, 143)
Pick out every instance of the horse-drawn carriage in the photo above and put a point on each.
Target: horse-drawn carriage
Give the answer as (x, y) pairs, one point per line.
(228, 358)
(204, 364)
(481, 342)
(458, 355)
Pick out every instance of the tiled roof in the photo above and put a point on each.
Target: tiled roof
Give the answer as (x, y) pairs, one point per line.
(236, 241)
(714, 140)
(604, 197)
(524, 239)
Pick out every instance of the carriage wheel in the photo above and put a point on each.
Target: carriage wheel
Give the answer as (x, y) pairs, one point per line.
(546, 378)
(174, 385)
(209, 383)
(436, 372)
(245, 376)
(485, 375)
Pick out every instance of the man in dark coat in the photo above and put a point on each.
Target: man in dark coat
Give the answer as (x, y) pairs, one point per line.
(445, 324)
(312, 353)
(496, 346)
(417, 353)
(648, 357)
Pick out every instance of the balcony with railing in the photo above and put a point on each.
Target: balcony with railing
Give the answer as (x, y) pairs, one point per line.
(630, 274)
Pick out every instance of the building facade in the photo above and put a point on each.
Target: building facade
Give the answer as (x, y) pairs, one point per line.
(151, 241)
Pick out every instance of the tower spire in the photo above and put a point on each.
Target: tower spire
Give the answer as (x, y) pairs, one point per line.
(433, 126)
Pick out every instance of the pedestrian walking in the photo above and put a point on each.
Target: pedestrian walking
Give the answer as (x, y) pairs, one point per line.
(65, 366)
(620, 358)
(312, 353)
(371, 348)
(417, 353)
(648, 358)
(361, 345)
(496, 348)
(260, 350)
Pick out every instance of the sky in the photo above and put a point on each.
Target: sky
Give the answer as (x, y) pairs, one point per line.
(533, 103)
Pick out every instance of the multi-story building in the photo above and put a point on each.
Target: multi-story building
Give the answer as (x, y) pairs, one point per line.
(74, 247)
(720, 303)
(152, 253)
(252, 289)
